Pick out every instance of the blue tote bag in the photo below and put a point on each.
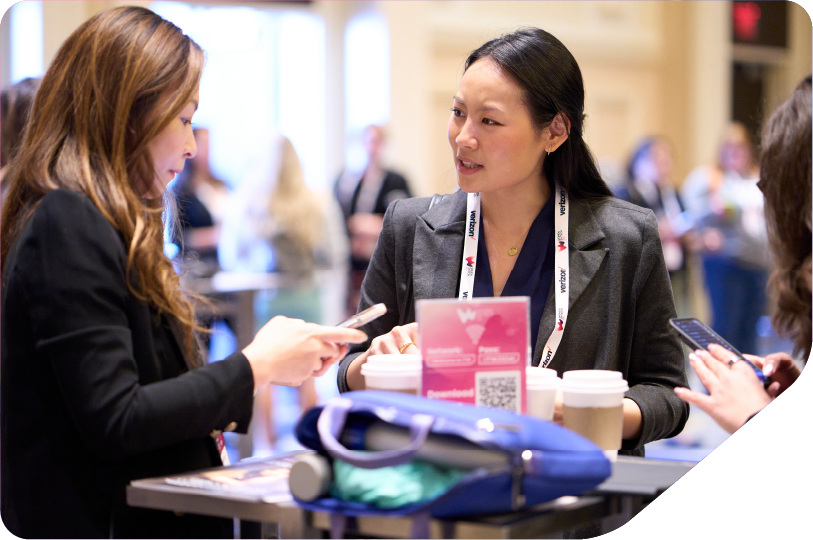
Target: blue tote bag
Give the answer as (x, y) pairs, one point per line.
(543, 461)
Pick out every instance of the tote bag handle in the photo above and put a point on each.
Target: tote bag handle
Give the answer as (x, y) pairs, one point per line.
(331, 422)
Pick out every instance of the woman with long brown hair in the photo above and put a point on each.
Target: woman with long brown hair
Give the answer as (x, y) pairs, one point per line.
(102, 381)
(735, 393)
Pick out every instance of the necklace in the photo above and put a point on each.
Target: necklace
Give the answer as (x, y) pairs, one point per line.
(512, 251)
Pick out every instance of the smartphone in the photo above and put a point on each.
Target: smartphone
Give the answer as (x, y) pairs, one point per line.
(697, 335)
(360, 319)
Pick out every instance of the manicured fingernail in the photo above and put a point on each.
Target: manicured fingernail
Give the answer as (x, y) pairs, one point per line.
(767, 370)
(693, 357)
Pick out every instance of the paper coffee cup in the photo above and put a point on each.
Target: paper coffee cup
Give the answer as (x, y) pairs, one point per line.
(593, 406)
(541, 386)
(393, 372)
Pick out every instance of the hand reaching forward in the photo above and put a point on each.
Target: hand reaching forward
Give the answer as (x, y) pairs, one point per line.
(288, 351)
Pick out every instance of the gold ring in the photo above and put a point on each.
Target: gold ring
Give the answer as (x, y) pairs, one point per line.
(405, 345)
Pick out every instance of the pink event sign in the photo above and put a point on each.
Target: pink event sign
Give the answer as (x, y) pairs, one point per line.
(475, 351)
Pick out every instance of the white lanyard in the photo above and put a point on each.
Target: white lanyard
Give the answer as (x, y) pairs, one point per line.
(561, 275)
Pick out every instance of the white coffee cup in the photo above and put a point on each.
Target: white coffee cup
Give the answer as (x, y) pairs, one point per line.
(393, 372)
(541, 385)
(593, 406)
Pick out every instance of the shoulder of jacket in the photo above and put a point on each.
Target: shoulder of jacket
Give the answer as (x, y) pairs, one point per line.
(64, 201)
(622, 221)
(409, 208)
(75, 211)
(613, 209)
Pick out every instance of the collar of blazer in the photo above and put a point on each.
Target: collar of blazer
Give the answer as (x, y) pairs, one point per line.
(438, 248)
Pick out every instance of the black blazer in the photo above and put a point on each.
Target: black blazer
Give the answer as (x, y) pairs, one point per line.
(95, 390)
(620, 296)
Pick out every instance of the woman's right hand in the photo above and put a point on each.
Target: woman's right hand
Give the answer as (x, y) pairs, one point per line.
(288, 351)
(390, 343)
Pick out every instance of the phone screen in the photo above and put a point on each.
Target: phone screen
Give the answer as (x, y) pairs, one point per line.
(699, 335)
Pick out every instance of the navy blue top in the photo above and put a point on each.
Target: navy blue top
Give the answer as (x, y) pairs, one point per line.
(533, 271)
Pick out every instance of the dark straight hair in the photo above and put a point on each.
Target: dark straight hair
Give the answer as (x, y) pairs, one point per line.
(551, 83)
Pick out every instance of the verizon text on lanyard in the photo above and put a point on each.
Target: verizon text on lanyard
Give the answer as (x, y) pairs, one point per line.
(561, 259)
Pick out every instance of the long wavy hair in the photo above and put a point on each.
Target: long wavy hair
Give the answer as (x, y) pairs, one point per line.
(292, 205)
(115, 83)
(785, 180)
(551, 83)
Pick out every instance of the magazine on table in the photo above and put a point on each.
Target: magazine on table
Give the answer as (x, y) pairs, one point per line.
(261, 479)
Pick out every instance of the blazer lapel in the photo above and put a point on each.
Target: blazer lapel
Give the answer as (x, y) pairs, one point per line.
(584, 232)
(438, 248)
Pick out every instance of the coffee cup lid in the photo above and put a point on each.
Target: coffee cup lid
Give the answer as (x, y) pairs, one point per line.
(540, 372)
(392, 364)
(593, 381)
(405, 361)
(592, 375)
(537, 376)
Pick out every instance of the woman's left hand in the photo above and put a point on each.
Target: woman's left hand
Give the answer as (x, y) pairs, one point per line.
(735, 392)
(780, 367)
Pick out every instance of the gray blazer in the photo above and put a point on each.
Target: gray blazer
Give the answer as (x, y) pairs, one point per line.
(620, 296)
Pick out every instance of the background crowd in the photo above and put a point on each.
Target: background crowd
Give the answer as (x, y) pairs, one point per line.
(271, 216)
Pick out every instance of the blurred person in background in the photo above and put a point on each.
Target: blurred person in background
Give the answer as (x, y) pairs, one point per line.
(201, 201)
(727, 208)
(102, 380)
(364, 198)
(649, 184)
(276, 223)
(735, 393)
(15, 104)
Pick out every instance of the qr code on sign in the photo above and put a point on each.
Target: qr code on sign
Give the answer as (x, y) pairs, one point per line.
(498, 389)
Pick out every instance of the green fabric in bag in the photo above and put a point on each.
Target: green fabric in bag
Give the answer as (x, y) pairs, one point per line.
(393, 487)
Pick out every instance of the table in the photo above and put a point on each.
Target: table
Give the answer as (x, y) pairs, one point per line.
(633, 484)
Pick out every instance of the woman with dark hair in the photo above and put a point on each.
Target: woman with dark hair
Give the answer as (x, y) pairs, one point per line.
(522, 165)
(735, 393)
(102, 381)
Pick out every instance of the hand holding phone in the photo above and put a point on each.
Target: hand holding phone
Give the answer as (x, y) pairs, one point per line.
(368, 315)
(699, 336)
